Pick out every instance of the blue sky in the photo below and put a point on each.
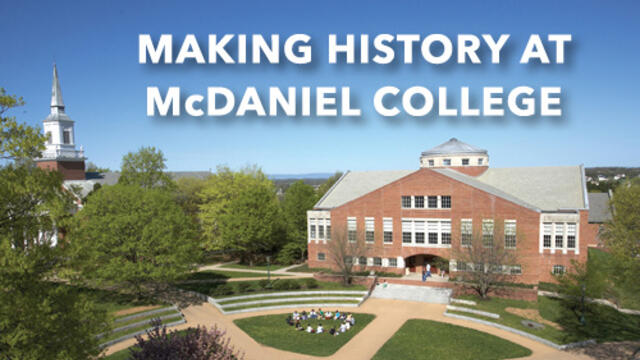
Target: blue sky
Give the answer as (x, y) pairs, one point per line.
(95, 45)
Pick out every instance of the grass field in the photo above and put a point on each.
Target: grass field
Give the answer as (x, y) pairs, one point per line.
(221, 290)
(272, 267)
(308, 303)
(272, 330)
(120, 355)
(426, 340)
(602, 322)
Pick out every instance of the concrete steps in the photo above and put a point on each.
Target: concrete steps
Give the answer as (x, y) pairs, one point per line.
(433, 295)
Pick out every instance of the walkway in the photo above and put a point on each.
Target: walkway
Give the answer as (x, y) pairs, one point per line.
(276, 274)
(390, 315)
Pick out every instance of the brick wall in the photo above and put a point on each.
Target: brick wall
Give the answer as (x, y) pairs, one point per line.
(71, 170)
(467, 203)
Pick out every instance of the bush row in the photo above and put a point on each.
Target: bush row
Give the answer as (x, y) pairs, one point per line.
(243, 287)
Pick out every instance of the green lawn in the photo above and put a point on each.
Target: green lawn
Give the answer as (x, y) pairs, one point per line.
(272, 267)
(603, 322)
(112, 301)
(305, 268)
(221, 290)
(223, 275)
(272, 330)
(120, 355)
(426, 339)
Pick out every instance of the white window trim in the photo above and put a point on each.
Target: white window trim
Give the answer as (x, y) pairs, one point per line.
(426, 236)
(564, 249)
(466, 220)
(510, 221)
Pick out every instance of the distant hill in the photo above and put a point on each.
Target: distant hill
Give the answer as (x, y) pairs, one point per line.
(609, 171)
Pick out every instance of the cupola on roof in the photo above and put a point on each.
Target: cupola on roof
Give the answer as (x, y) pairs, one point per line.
(454, 146)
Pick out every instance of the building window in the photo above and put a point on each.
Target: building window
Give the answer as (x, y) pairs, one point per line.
(377, 261)
(312, 229)
(320, 231)
(351, 229)
(406, 231)
(480, 161)
(418, 228)
(432, 229)
(465, 161)
(546, 237)
(446, 162)
(446, 202)
(461, 266)
(515, 270)
(328, 228)
(445, 231)
(418, 202)
(466, 231)
(510, 234)
(559, 229)
(487, 233)
(431, 163)
(362, 260)
(571, 236)
(558, 270)
(406, 202)
(432, 202)
(66, 136)
(369, 226)
(321, 256)
(387, 228)
(393, 262)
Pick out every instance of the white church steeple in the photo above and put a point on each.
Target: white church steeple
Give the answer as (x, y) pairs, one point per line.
(60, 152)
(59, 128)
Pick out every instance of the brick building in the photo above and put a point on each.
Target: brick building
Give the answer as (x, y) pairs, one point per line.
(409, 218)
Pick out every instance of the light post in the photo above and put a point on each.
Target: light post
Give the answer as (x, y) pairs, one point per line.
(582, 320)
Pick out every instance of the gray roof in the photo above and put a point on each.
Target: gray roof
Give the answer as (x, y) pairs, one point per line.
(111, 178)
(536, 188)
(454, 146)
(354, 184)
(599, 208)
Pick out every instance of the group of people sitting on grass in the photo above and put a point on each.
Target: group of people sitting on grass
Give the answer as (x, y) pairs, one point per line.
(347, 321)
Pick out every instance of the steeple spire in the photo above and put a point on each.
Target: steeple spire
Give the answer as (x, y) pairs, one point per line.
(56, 93)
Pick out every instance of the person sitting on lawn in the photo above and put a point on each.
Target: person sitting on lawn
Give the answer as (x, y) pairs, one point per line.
(348, 325)
(296, 315)
(312, 314)
(320, 329)
(332, 331)
(328, 315)
(289, 320)
(304, 315)
(337, 316)
(298, 326)
(343, 327)
(320, 313)
(310, 329)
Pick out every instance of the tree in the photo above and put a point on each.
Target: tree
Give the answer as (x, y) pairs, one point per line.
(298, 198)
(622, 237)
(187, 195)
(486, 261)
(91, 167)
(39, 319)
(240, 213)
(344, 249)
(197, 343)
(322, 189)
(137, 238)
(145, 168)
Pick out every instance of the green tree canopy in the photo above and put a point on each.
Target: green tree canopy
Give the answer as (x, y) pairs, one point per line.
(135, 237)
(145, 168)
(298, 198)
(240, 213)
(38, 318)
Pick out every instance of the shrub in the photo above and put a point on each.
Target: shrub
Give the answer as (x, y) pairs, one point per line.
(223, 289)
(195, 343)
(264, 284)
(244, 287)
(286, 284)
(310, 283)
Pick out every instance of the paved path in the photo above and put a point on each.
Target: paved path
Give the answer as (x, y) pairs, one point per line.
(390, 315)
(274, 273)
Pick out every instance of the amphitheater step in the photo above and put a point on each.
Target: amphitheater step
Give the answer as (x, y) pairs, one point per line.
(434, 295)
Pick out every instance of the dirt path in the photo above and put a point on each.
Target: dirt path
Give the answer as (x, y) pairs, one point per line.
(390, 315)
